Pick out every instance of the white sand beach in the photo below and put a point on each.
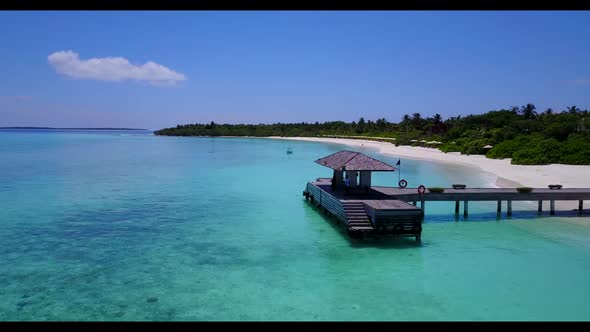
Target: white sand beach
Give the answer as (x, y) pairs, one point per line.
(507, 175)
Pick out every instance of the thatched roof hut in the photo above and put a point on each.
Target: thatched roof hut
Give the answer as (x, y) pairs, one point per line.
(354, 165)
(354, 161)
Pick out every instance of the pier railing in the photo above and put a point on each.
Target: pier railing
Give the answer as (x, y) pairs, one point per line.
(328, 201)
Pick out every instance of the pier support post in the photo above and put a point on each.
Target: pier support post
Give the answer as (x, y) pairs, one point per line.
(552, 207)
(456, 207)
(580, 206)
(414, 202)
(499, 208)
(465, 208)
(540, 208)
(509, 208)
(423, 208)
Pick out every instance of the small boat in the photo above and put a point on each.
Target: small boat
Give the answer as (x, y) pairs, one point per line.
(289, 151)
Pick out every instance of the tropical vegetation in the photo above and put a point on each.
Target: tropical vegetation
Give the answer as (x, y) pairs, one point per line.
(521, 133)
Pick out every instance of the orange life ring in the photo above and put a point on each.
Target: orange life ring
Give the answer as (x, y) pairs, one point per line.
(421, 189)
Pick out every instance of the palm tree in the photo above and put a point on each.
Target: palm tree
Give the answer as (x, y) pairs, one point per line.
(528, 111)
(417, 120)
(406, 121)
(437, 118)
(381, 123)
(360, 127)
(573, 109)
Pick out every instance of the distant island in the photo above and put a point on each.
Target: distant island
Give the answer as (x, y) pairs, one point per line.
(71, 128)
(519, 133)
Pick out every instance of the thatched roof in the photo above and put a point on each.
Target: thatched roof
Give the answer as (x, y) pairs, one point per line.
(354, 161)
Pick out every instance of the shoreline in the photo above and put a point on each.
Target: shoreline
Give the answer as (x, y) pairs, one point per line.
(507, 175)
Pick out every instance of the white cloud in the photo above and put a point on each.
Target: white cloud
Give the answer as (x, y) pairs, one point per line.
(68, 63)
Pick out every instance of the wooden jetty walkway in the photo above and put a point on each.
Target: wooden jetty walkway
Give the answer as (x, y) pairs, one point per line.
(363, 208)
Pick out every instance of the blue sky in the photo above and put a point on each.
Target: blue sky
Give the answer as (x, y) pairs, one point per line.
(287, 66)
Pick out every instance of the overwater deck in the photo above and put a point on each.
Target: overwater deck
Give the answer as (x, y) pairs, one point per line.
(372, 212)
(487, 194)
(364, 208)
(388, 210)
(491, 194)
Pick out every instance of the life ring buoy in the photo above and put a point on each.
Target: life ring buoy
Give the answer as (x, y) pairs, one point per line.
(403, 183)
(421, 189)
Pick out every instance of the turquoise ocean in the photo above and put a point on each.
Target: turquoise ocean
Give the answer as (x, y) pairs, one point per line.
(125, 225)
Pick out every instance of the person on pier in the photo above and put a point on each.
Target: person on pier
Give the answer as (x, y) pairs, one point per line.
(347, 183)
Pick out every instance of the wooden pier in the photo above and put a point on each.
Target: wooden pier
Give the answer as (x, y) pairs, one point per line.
(366, 213)
(491, 194)
(363, 208)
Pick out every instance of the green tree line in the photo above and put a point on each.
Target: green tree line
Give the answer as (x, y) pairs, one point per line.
(521, 133)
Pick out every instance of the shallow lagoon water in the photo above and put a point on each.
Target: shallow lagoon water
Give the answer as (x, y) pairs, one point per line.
(130, 226)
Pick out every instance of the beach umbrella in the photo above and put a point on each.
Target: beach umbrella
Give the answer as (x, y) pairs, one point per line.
(488, 147)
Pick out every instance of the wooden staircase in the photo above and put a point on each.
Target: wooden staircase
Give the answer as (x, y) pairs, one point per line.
(356, 217)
